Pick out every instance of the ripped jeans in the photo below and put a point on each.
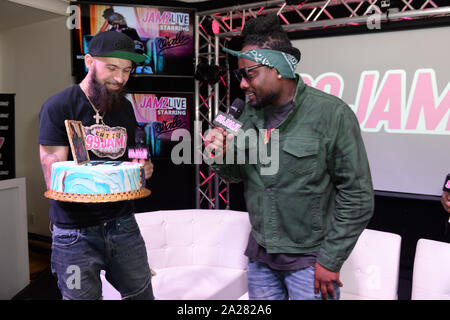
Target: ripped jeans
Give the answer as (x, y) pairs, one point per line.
(78, 256)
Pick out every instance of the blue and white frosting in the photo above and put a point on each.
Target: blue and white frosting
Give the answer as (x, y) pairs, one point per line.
(96, 177)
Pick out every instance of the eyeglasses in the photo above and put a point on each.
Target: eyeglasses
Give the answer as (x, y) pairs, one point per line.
(244, 72)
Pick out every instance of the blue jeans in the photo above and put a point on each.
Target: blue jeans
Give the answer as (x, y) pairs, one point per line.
(116, 246)
(265, 283)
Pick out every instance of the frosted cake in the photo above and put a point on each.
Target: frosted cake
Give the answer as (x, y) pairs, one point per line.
(97, 181)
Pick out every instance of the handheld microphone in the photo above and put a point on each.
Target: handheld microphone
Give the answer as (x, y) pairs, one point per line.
(446, 186)
(140, 150)
(228, 121)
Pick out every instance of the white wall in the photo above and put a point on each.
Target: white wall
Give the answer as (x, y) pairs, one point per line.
(14, 268)
(2, 67)
(5, 65)
(34, 64)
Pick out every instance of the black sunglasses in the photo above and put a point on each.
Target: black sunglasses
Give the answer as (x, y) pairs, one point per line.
(243, 73)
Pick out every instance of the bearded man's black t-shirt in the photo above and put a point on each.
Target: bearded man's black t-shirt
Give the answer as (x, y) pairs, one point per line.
(104, 142)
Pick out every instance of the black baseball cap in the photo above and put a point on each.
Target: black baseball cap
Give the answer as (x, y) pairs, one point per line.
(115, 45)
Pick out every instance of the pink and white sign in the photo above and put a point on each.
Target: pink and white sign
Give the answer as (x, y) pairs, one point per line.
(390, 105)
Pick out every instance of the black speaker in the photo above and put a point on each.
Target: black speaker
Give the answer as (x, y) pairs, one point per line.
(209, 73)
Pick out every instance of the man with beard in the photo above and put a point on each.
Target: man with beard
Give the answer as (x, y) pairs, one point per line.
(94, 237)
(306, 217)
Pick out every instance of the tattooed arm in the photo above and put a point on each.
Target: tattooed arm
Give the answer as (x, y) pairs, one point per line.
(49, 155)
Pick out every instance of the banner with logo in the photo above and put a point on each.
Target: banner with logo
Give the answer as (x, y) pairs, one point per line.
(164, 35)
(160, 114)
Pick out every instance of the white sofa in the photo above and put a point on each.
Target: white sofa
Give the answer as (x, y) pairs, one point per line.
(199, 255)
(371, 271)
(431, 275)
(196, 254)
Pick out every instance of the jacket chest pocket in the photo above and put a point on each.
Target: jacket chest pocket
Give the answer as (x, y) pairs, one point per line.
(300, 155)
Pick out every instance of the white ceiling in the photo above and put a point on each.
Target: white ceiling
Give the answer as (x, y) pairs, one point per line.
(13, 15)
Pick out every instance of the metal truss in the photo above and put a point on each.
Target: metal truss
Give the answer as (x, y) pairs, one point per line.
(212, 191)
(216, 27)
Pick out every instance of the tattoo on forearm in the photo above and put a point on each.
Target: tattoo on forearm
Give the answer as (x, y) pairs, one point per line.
(46, 161)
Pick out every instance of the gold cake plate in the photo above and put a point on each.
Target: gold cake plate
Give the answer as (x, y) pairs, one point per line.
(97, 198)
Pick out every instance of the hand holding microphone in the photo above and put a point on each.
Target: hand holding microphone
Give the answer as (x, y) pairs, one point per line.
(225, 127)
(216, 142)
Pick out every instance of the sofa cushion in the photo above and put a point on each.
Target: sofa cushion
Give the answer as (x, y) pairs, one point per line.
(197, 254)
(176, 238)
(198, 283)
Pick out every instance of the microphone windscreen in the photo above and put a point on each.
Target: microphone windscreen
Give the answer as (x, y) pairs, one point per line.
(236, 108)
(447, 184)
(140, 148)
(140, 137)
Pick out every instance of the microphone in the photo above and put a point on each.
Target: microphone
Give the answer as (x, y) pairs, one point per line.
(140, 150)
(228, 121)
(446, 186)
(236, 108)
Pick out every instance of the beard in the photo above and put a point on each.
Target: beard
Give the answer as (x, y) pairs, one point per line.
(105, 100)
(263, 102)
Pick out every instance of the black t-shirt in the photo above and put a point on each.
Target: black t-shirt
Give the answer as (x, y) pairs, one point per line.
(72, 104)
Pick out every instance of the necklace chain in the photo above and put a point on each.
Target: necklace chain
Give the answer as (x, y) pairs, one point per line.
(97, 116)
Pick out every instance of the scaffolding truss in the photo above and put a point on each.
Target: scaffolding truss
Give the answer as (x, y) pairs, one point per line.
(215, 28)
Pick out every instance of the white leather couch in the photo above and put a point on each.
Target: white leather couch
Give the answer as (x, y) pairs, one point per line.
(371, 271)
(199, 255)
(196, 254)
(431, 273)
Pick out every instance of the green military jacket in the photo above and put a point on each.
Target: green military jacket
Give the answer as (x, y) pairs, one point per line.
(321, 197)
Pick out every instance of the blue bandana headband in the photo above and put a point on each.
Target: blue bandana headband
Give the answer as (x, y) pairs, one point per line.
(285, 63)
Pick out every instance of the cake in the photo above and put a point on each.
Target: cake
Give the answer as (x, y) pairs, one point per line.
(97, 181)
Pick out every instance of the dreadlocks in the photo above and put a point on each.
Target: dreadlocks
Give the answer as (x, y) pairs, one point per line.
(267, 33)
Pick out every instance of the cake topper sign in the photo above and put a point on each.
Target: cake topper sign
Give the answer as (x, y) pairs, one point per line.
(77, 140)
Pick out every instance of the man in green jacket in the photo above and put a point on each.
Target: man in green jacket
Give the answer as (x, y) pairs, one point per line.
(308, 213)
